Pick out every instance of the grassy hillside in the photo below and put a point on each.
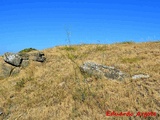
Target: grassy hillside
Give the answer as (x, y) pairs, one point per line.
(56, 89)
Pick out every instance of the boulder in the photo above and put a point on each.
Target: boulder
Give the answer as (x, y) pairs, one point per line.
(15, 71)
(7, 70)
(24, 63)
(99, 70)
(37, 56)
(24, 56)
(13, 59)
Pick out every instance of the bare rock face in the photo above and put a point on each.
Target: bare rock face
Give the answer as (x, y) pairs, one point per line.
(13, 59)
(99, 70)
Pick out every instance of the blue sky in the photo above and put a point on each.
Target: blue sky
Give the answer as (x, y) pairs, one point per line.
(43, 24)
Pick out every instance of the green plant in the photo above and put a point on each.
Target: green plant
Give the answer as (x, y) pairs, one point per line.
(27, 50)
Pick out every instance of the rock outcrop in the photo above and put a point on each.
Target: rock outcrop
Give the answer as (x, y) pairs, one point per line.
(7, 70)
(37, 56)
(13, 59)
(99, 70)
(13, 63)
(24, 56)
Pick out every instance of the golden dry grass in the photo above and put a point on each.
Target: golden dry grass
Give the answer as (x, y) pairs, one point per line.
(56, 90)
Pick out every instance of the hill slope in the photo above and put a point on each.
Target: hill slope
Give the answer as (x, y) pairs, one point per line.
(57, 90)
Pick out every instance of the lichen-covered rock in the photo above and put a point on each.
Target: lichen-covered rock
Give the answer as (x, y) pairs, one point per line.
(139, 76)
(99, 70)
(13, 59)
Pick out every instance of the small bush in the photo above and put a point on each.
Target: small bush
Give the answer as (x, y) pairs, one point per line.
(27, 50)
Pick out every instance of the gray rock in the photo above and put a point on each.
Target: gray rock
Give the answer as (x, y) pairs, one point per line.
(11, 64)
(37, 56)
(15, 71)
(24, 63)
(7, 70)
(13, 59)
(24, 56)
(99, 70)
(139, 76)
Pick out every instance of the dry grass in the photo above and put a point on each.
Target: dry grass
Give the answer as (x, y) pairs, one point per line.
(56, 90)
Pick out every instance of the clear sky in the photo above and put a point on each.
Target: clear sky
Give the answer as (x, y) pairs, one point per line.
(43, 24)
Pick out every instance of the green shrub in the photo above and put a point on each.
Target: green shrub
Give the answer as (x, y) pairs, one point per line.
(27, 50)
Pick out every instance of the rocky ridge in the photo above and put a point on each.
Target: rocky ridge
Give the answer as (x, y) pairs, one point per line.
(12, 63)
